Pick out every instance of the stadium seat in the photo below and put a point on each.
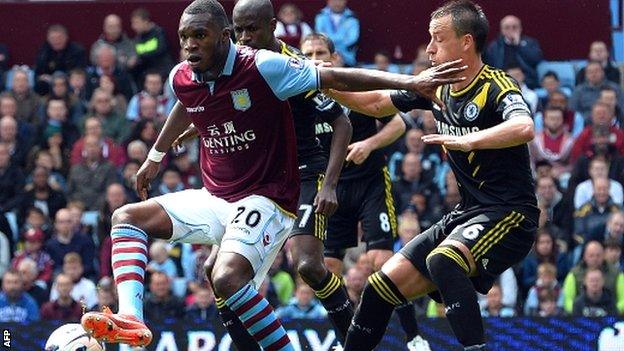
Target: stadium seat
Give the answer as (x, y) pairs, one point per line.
(564, 69)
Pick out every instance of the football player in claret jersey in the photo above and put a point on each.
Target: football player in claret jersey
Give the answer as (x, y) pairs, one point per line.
(364, 191)
(484, 125)
(237, 98)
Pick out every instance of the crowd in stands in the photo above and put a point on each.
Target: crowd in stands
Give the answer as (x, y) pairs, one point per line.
(76, 126)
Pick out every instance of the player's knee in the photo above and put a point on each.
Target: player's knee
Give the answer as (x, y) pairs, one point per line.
(123, 215)
(208, 267)
(442, 259)
(311, 270)
(225, 283)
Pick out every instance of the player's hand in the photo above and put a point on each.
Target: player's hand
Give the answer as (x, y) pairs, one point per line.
(461, 143)
(144, 177)
(427, 82)
(358, 152)
(190, 133)
(326, 201)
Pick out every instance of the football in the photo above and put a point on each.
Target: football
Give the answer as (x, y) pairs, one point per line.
(72, 337)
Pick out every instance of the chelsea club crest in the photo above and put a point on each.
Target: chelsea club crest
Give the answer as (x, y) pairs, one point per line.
(241, 99)
(471, 112)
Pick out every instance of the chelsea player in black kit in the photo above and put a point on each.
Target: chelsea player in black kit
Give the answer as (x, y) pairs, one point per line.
(484, 125)
(364, 191)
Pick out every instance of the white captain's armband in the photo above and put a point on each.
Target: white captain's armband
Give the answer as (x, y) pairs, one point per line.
(513, 105)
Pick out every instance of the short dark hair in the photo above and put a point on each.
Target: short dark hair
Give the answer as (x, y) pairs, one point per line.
(468, 18)
(141, 13)
(553, 108)
(552, 74)
(58, 28)
(210, 7)
(322, 37)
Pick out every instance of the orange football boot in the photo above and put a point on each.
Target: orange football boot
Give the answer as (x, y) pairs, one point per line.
(116, 328)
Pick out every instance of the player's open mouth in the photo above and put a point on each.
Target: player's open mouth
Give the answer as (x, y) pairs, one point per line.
(193, 60)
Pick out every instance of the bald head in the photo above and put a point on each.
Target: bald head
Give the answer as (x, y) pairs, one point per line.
(260, 9)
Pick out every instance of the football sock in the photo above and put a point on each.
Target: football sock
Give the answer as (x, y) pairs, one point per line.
(129, 257)
(259, 319)
(407, 317)
(379, 298)
(240, 336)
(449, 271)
(333, 295)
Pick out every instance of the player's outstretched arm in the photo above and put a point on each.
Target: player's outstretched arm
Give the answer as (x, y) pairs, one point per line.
(375, 103)
(326, 201)
(512, 132)
(176, 123)
(424, 84)
(390, 132)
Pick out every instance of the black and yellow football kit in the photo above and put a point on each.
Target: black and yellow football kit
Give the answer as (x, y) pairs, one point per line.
(497, 216)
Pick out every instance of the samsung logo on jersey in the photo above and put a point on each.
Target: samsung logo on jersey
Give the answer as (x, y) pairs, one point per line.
(195, 109)
(446, 129)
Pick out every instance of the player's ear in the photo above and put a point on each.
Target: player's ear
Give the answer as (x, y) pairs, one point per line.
(467, 42)
(273, 24)
(226, 34)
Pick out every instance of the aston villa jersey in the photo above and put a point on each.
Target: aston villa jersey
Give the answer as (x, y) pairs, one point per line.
(248, 144)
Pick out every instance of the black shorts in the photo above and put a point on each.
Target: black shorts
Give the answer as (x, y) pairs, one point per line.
(498, 238)
(367, 200)
(308, 221)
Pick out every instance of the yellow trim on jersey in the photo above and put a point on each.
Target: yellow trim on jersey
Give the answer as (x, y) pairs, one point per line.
(481, 98)
(287, 52)
(333, 285)
(474, 173)
(288, 213)
(498, 225)
(392, 217)
(498, 235)
(504, 83)
(438, 92)
(469, 86)
(320, 220)
(383, 289)
(471, 156)
(219, 302)
(450, 253)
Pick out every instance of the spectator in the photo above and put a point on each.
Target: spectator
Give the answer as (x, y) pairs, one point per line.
(129, 172)
(545, 250)
(554, 207)
(119, 101)
(88, 180)
(590, 219)
(106, 65)
(111, 151)
(613, 253)
(546, 281)
(550, 83)
(599, 52)
(33, 250)
(137, 151)
(573, 121)
(528, 94)
(303, 305)
(595, 300)
(512, 48)
(28, 102)
(8, 105)
(144, 131)
(600, 137)
(281, 280)
(17, 144)
(554, 143)
(586, 94)
(36, 219)
(383, 62)
(27, 269)
(548, 304)
(58, 54)
(63, 306)
(188, 170)
(160, 261)
(160, 304)
(76, 210)
(148, 110)
(115, 198)
(290, 27)
(494, 307)
(608, 96)
(60, 90)
(4, 60)
(83, 289)
(203, 310)
(41, 194)
(114, 125)
(598, 168)
(341, 25)
(78, 85)
(65, 240)
(171, 182)
(53, 156)
(106, 295)
(57, 122)
(113, 34)
(355, 281)
(615, 228)
(152, 86)
(150, 45)
(593, 258)
(15, 305)
(11, 180)
(413, 181)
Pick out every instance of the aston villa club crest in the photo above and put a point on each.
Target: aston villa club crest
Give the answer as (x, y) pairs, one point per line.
(241, 99)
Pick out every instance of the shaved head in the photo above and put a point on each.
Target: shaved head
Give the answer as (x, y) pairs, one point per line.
(260, 9)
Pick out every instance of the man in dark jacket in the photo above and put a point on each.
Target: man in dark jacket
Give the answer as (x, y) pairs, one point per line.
(160, 304)
(511, 48)
(595, 301)
(150, 45)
